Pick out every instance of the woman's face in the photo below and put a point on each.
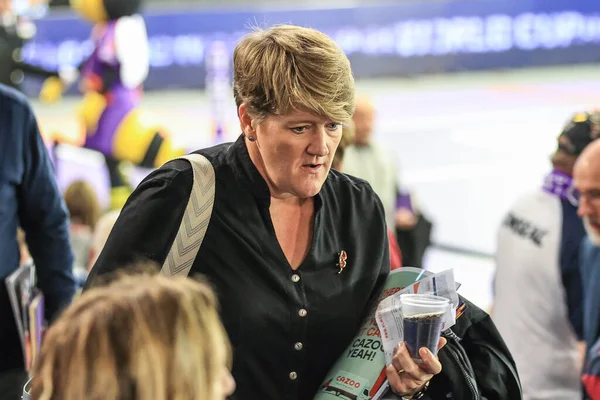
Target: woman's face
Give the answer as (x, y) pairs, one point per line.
(292, 152)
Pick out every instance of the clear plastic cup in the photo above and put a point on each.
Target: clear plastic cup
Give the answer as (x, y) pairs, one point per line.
(422, 320)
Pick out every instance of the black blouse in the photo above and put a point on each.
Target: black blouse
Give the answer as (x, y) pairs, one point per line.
(287, 327)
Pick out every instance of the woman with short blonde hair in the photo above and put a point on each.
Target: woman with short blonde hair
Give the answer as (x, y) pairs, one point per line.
(139, 338)
(297, 252)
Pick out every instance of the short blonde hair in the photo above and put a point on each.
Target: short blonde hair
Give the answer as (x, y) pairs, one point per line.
(139, 337)
(289, 67)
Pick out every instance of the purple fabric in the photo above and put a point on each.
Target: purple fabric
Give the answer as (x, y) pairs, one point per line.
(560, 184)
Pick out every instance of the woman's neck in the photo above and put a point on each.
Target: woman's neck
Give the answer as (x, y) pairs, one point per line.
(291, 202)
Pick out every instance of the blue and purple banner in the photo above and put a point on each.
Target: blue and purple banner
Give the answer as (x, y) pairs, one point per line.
(388, 40)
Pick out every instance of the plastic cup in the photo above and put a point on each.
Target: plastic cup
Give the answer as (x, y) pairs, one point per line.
(422, 321)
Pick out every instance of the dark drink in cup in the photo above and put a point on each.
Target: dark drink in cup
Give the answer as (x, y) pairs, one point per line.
(422, 331)
(422, 320)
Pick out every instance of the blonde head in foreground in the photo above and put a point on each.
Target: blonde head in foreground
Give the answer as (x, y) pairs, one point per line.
(141, 337)
(294, 89)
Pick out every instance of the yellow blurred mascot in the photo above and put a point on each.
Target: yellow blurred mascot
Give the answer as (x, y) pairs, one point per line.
(111, 80)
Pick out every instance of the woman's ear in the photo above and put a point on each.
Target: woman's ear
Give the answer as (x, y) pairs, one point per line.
(245, 120)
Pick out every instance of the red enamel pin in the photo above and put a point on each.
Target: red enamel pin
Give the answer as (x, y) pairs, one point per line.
(342, 257)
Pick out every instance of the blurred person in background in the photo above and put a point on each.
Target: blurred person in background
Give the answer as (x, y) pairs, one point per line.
(348, 135)
(587, 182)
(84, 211)
(370, 161)
(538, 305)
(281, 222)
(29, 198)
(140, 337)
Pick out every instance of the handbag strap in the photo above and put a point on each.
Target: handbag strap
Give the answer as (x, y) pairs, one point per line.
(196, 218)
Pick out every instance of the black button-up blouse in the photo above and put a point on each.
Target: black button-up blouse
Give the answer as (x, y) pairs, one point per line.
(287, 327)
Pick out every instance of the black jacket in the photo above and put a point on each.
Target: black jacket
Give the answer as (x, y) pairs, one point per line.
(287, 327)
